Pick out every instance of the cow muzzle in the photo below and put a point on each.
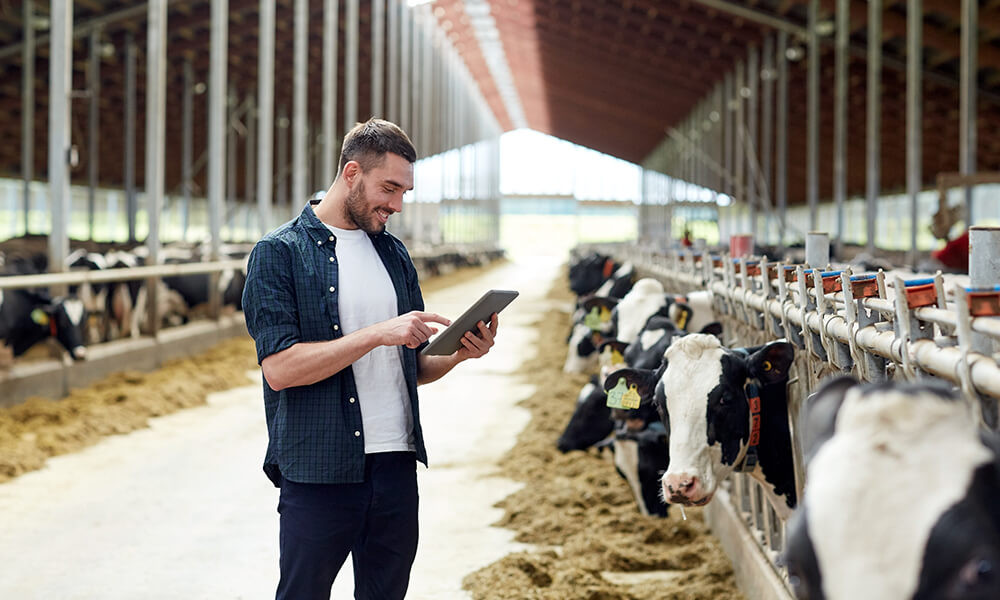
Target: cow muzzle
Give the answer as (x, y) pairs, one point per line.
(79, 353)
(682, 488)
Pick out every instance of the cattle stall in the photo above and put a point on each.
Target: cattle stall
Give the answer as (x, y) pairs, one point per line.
(877, 326)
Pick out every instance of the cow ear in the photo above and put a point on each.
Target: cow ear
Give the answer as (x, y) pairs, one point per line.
(40, 316)
(770, 364)
(644, 381)
(713, 328)
(819, 413)
(680, 314)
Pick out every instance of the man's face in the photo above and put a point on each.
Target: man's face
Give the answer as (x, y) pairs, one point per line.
(378, 193)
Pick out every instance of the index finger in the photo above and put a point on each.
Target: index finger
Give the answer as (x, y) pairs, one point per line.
(431, 317)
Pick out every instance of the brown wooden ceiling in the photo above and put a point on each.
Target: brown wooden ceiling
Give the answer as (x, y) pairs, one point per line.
(611, 75)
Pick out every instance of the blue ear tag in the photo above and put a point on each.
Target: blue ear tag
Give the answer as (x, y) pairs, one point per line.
(616, 393)
(593, 319)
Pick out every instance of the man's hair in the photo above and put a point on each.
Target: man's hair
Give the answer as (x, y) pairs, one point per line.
(367, 143)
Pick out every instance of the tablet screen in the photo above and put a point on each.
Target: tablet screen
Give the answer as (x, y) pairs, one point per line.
(450, 340)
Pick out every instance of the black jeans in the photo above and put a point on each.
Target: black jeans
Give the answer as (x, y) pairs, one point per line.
(376, 521)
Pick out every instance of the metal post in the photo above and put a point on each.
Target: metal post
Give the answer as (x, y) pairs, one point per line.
(331, 16)
(729, 109)
(28, 108)
(750, 140)
(187, 143)
(812, 118)
(377, 57)
(740, 157)
(840, 109)
(818, 249)
(427, 75)
(984, 271)
(156, 112)
(265, 114)
(60, 85)
(299, 116)
(282, 158)
(93, 125)
(131, 207)
(249, 159)
(392, 112)
(914, 65)
(230, 156)
(874, 110)
(767, 128)
(967, 114)
(781, 133)
(405, 68)
(217, 122)
(351, 66)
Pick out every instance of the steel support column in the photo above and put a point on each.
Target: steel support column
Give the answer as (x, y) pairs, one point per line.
(131, 206)
(750, 140)
(299, 100)
(767, 129)
(93, 125)
(60, 124)
(392, 67)
(405, 67)
(249, 145)
(914, 99)
(874, 110)
(812, 118)
(265, 115)
(351, 65)
(28, 108)
(840, 108)
(331, 17)
(282, 159)
(728, 113)
(217, 121)
(781, 141)
(377, 57)
(156, 118)
(740, 158)
(967, 114)
(187, 143)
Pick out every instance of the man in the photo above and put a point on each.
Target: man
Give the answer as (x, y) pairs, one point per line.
(333, 304)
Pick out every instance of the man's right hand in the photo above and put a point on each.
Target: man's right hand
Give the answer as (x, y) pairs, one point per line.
(410, 330)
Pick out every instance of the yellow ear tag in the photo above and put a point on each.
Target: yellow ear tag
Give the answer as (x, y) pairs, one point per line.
(682, 319)
(38, 316)
(631, 399)
(605, 314)
(617, 358)
(593, 319)
(616, 393)
(767, 365)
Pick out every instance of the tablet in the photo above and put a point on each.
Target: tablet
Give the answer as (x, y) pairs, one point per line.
(450, 340)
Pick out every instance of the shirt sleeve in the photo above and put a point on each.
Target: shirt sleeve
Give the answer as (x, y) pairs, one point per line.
(269, 303)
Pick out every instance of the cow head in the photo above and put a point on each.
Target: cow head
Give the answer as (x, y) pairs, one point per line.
(595, 327)
(645, 299)
(68, 322)
(901, 497)
(591, 421)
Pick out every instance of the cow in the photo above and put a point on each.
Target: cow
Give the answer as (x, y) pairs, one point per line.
(619, 284)
(901, 496)
(642, 454)
(589, 272)
(28, 317)
(704, 396)
(591, 421)
(592, 326)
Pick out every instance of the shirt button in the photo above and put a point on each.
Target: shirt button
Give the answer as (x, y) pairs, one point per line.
(336, 327)
(331, 238)
(353, 400)
(357, 434)
(331, 258)
(332, 289)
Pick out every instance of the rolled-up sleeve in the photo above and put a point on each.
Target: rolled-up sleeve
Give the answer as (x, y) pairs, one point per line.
(269, 302)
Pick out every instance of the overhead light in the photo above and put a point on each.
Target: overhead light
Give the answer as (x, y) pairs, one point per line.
(795, 53)
(714, 116)
(107, 50)
(200, 87)
(824, 28)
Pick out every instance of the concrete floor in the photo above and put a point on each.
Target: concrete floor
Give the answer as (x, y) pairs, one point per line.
(183, 510)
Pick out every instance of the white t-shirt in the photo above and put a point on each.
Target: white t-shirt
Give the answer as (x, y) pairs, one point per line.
(365, 297)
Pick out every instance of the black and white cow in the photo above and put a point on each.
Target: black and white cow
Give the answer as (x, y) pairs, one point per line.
(27, 318)
(901, 497)
(591, 420)
(702, 397)
(587, 273)
(619, 284)
(592, 326)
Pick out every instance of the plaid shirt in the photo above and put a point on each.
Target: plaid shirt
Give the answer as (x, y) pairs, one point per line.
(315, 434)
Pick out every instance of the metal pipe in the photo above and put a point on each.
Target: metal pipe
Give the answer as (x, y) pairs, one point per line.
(156, 117)
(249, 145)
(93, 125)
(767, 126)
(729, 109)
(351, 65)
(80, 30)
(753, 84)
(840, 111)
(265, 115)
(818, 249)
(131, 206)
(109, 275)
(740, 158)
(392, 112)
(781, 168)
(968, 111)
(231, 122)
(914, 98)
(757, 17)
(60, 124)
(331, 15)
(874, 110)
(299, 98)
(405, 65)
(377, 57)
(282, 159)
(28, 108)
(217, 122)
(812, 118)
(187, 143)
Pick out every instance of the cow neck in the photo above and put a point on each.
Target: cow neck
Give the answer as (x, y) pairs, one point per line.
(748, 460)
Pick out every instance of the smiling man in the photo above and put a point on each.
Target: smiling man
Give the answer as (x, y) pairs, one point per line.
(334, 306)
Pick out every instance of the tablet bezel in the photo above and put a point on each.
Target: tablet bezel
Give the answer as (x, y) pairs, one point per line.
(450, 340)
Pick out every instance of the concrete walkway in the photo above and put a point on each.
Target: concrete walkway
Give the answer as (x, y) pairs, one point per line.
(183, 510)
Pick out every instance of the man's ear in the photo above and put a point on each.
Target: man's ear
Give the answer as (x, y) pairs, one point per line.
(771, 363)
(819, 413)
(352, 170)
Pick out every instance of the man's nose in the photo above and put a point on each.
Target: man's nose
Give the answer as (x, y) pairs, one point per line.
(396, 203)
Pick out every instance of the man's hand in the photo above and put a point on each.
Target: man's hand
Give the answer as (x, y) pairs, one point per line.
(410, 330)
(475, 346)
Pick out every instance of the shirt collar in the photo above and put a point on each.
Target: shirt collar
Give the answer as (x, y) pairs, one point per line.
(317, 229)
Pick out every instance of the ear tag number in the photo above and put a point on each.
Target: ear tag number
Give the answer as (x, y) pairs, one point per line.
(593, 319)
(631, 399)
(616, 394)
(39, 317)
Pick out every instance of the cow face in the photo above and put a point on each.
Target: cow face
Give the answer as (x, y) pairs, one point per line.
(587, 274)
(901, 497)
(69, 316)
(595, 327)
(591, 421)
(644, 300)
(704, 398)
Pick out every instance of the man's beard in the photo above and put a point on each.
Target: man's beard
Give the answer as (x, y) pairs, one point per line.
(359, 211)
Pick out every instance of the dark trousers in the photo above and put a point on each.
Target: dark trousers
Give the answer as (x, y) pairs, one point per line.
(376, 521)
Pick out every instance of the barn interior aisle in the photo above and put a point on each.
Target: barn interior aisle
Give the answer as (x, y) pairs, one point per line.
(182, 510)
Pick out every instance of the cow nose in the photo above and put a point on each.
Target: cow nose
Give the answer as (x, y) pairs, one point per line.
(562, 445)
(680, 486)
(79, 353)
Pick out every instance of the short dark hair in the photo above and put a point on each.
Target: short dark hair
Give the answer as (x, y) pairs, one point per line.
(367, 143)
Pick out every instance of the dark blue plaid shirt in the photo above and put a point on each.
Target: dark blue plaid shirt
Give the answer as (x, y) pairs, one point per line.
(314, 431)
